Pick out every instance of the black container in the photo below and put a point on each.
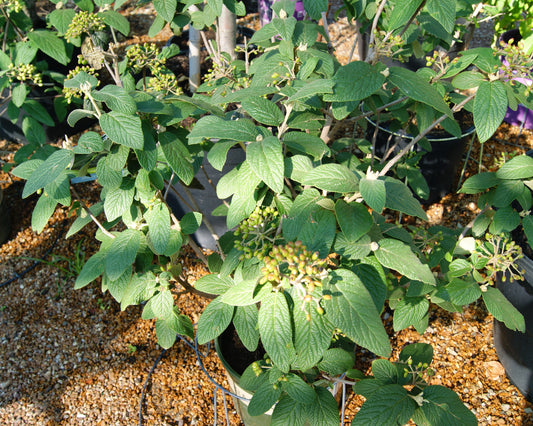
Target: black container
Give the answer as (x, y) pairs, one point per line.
(5, 218)
(206, 198)
(515, 349)
(439, 166)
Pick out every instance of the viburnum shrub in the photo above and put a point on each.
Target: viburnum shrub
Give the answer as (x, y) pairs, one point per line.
(310, 261)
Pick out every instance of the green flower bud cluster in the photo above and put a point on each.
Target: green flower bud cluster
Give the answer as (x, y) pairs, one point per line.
(294, 263)
(145, 56)
(419, 373)
(12, 5)
(164, 82)
(519, 63)
(257, 233)
(71, 93)
(24, 72)
(84, 23)
(501, 255)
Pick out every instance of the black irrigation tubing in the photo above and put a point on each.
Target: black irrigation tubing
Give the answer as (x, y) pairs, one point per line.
(143, 393)
(18, 275)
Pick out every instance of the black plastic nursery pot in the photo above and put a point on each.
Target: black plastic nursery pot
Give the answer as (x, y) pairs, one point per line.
(515, 349)
(206, 198)
(439, 166)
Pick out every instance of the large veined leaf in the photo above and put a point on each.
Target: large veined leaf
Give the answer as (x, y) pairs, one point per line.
(288, 412)
(352, 309)
(400, 198)
(118, 200)
(245, 322)
(275, 329)
(263, 111)
(177, 155)
(266, 160)
(315, 8)
(214, 320)
(122, 252)
(50, 44)
(402, 12)
(443, 406)
(43, 210)
(264, 398)
(158, 219)
(417, 88)
(123, 129)
(374, 193)
(443, 11)
(519, 167)
(166, 8)
(503, 310)
(333, 178)
(490, 106)
(398, 256)
(116, 98)
(388, 405)
(48, 171)
(324, 411)
(61, 19)
(355, 81)
(213, 127)
(354, 219)
(116, 20)
(93, 268)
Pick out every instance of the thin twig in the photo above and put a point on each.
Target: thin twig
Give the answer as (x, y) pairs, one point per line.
(94, 219)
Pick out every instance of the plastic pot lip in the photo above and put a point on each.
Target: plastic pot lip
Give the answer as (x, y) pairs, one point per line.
(465, 133)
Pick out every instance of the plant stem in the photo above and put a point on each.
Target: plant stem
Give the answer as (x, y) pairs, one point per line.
(93, 217)
(408, 147)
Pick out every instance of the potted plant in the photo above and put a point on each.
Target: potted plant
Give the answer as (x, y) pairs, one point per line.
(310, 262)
(506, 256)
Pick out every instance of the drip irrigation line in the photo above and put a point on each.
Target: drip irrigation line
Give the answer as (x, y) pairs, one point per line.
(143, 393)
(18, 275)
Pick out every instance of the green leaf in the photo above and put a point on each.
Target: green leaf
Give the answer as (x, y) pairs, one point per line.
(116, 20)
(158, 219)
(388, 405)
(503, 310)
(479, 183)
(490, 106)
(139, 289)
(266, 160)
(108, 177)
(177, 155)
(245, 322)
(118, 287)
(33, 131)
(288, 412)
(61, 19)
(38, 112)
(333, 178)
(264, 398)
(311, 338)
(462, 292)
(166, 335)
(190, 222)
(417, 88)
(275, 329)
(325, 411)
(214, 320)
(48, 171)
(43, 210)
(306, 144)
(118, 200)
(123, 129)
(91, 141)
(263, 111)
(116, 98)
(299, 390)
(162, 304)
(444, 12)
(353, 311)
(19, 93)
(84, 219)
(241, 294)
(165, 8)
(80, 80)
(312, 88)
(93, 268)
(519, 167)
(442, 406)
(122, 252)
(409, 311)
(213, 127)
(354, 82)
(400, 198)
(336, 361)
(398, 256)
(354, 219)
(374, 193)
(213, 284)
(402, 12)
(50, 44)
(468, 80)
(315, 8)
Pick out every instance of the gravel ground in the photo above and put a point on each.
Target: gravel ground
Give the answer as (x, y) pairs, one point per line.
(71, 357)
